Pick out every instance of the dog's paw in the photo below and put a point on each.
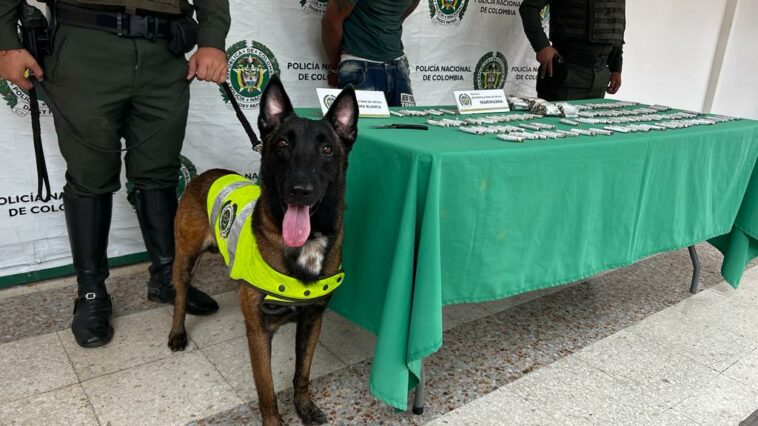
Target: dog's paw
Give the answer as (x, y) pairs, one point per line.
(310, 414)
(177, 341)
(273, 420)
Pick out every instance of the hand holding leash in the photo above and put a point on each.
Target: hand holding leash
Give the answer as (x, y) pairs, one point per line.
(16, 65)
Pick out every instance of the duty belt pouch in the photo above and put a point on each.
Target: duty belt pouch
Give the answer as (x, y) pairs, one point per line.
(183, 35)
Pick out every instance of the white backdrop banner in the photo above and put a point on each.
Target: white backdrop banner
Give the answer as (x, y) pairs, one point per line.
(450, 45)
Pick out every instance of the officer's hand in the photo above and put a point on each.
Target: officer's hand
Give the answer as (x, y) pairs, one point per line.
(615, 83)
(545, 58)
(208, 64)
(13, 65)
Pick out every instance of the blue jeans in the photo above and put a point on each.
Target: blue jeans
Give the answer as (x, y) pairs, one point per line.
(392, 78)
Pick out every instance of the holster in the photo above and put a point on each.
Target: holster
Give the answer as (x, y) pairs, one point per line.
(183, 35)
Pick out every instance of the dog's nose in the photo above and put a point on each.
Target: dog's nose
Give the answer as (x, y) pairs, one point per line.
(301, 190)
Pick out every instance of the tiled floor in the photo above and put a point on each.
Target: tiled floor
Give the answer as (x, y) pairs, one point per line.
(628, 347)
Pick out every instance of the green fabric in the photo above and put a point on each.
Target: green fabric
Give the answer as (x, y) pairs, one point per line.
(374, 29)
(488, 219)
(230, 224)
(139, 89)
(740, 246)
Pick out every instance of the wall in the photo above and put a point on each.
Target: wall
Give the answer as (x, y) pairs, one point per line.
(737, 90)
(669, 50)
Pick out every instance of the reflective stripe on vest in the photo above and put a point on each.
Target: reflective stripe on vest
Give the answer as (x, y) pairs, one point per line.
(231, 201)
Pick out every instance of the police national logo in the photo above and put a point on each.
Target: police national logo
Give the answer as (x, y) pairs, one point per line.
(187, 172)
(317, 7)
(251, 65)
(464, 99)
(491, 71)
(18, 100)
(228, 214)
(447, 12)
(329, 100)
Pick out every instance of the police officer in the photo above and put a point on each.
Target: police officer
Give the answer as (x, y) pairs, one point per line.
(111, 75)
(585, 57)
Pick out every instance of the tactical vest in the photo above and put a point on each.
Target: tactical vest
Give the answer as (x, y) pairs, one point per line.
(597, 21)
(170, 7)
(230, 205)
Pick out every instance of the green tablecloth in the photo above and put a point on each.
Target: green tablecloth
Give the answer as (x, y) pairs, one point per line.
(441, 217)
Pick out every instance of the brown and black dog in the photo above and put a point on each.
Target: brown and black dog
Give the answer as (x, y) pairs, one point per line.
(302, 176)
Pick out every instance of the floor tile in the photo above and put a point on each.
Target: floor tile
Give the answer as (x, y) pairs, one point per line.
(668, 377)
(513, 301)
(240, 415)
(733, 314)
(232, 359)
(708, 343)
(226, 324)
(347, 341)
(501, 407)
(67, 405)
(175, 390)
(34, 365)
(138, 339)
(456, 315)
(571, 392)
(36, 314)
(745, 370)
(722, 401)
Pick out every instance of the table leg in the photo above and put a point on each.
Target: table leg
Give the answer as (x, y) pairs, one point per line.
(419, 395)
(696, 272)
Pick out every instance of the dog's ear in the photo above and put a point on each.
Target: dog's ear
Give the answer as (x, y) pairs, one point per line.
(343, 116)
(275, 106)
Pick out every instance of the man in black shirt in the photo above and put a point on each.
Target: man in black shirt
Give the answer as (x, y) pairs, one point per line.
(585, 57)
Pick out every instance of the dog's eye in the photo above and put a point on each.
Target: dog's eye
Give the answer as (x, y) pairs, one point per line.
(327, 150)
(282, 143)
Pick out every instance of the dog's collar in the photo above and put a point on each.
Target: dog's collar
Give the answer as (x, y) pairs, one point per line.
(282, 289)
(231, 201)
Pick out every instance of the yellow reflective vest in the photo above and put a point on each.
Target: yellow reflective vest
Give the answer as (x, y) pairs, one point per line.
(231, 201)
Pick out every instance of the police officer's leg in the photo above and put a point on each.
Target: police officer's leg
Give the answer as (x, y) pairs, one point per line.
(546, 87)
(88, 79)
(578, 82)
(601, 80)
(158, 116)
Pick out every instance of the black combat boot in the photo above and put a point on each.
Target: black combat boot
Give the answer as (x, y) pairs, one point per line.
(156, 209)
(88, 220)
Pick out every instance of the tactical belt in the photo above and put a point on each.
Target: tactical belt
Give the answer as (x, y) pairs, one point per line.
(121, 24)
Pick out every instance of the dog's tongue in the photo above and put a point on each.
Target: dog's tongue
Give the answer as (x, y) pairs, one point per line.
(296, 226)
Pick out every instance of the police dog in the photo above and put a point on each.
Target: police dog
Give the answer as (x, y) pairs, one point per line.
(297, 224)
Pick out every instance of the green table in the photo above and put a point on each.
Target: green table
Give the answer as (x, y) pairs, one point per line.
(441, 217)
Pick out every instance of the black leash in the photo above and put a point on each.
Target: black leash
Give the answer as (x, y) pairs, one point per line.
(43, 180)
(254, 141)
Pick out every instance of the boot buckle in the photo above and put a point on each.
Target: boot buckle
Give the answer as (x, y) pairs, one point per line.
(90, 296)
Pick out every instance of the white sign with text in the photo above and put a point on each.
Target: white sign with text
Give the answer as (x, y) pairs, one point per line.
(371, 104)
(479, 101)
